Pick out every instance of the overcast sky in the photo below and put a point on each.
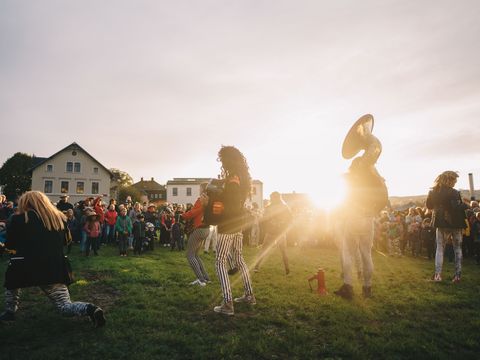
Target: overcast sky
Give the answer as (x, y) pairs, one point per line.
(155, 87)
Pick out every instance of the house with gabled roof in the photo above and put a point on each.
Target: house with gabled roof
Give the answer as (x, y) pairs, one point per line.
(152, 191)
(71, 171)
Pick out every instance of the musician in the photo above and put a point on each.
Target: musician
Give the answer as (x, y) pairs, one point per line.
(366, 198)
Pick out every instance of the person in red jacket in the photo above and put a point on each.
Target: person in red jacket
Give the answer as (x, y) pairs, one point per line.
(110, 220)
(196, 238)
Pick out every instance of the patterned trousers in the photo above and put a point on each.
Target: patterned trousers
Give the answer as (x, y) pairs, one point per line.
(442, 237)
(227, 243)
(57, 293)
(194, 243)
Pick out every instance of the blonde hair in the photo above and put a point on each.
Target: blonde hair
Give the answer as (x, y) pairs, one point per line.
(52, 218)
(447, 179)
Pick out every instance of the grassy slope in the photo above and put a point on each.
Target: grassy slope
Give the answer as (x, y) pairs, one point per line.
(153, 314)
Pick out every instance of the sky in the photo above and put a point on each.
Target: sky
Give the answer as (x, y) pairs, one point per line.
(154, 88)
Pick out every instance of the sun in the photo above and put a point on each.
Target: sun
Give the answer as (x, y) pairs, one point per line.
(329, 193)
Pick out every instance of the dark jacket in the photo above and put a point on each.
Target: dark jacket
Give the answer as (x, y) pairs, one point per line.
(448, 208)
(139, 229)
(42, 250)
(233, 214)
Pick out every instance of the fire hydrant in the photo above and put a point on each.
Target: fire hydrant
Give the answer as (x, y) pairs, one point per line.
(320, 277)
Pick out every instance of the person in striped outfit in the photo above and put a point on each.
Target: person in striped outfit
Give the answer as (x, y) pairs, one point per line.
(236, 189)
(38, 234)
(196, 239)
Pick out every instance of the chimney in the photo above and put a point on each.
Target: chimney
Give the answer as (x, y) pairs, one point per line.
(152, 178)
(141, 179)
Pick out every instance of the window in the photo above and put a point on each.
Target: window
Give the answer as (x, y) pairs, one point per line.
(95, 170)
(80, 187)
(69, 166)
(48, 187)
(175, 191)
(50, 168)
(95, 187)
(77, 167)
(189, 191)
(64, 187)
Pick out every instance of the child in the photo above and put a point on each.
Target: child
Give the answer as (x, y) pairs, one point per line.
(123, 227)
(92, 229)
(72, 226)
(427, 237)
(138, 234)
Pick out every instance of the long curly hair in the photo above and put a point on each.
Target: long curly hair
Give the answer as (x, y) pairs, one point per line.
(445, 179)
(234, 163)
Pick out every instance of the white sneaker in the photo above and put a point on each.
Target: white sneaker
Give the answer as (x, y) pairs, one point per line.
(198, 282)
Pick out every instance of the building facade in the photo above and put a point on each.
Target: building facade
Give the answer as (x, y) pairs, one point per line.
(152, 192)
(187, 190)
(71, 171)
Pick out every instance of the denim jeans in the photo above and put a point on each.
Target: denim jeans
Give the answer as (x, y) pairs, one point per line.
(442, 236)
(358, 237)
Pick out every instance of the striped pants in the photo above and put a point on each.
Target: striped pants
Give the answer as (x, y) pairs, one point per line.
(57, 293)
(194, 244)
(227, 243)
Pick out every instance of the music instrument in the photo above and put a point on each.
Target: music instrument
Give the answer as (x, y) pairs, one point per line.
(365, 181)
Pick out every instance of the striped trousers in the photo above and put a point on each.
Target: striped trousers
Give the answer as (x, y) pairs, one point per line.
(227, 243)
(194, 244)
(57, 293)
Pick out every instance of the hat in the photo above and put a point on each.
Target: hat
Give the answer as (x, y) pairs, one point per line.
(140, 216)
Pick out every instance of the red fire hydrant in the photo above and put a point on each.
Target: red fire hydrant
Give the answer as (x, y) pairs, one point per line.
(320, 277)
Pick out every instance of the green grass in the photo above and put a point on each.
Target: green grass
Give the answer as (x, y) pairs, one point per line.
(152, 313)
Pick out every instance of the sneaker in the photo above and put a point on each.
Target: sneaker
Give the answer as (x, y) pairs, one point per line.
(7, 316)
(367, 292)
(346, 292)
(97, 316)
(456, 279)
(198, 282)
(248, 299)
(233, 271)
(437, 278)
(225, 308)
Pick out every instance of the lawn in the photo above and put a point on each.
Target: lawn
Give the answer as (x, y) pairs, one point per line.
(153, 313)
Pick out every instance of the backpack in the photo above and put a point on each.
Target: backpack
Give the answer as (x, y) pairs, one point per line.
(213, 213)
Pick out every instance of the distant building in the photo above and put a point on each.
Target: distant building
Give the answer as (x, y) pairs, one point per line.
(71, 171)
(187, 190)
(152, 192)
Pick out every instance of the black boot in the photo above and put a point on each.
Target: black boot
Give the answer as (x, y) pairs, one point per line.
(96, 315)
(346, 292)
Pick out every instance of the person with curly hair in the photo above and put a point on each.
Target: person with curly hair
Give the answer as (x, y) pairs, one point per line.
(236, 189)
(448, 219)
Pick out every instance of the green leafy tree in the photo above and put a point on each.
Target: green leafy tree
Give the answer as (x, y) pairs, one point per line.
(14, 175)
(125, 191)
(121, 178)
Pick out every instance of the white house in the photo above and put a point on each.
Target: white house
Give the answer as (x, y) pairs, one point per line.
(187, 190)
(71, 171)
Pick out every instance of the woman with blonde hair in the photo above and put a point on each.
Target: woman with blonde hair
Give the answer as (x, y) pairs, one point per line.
(38, 234)
(448, 219)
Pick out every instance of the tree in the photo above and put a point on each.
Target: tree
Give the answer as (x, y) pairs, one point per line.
(121, 178)
(14, 175)
(131, 191)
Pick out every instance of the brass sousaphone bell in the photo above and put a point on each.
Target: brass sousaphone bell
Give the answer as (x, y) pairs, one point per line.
(360, 138)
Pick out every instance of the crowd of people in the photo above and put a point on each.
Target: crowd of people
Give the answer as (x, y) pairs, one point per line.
(447, 223)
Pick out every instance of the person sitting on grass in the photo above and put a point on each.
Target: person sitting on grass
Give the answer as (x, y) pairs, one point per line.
(38, 235)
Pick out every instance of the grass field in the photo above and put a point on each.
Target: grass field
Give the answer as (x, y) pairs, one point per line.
(153, 314)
